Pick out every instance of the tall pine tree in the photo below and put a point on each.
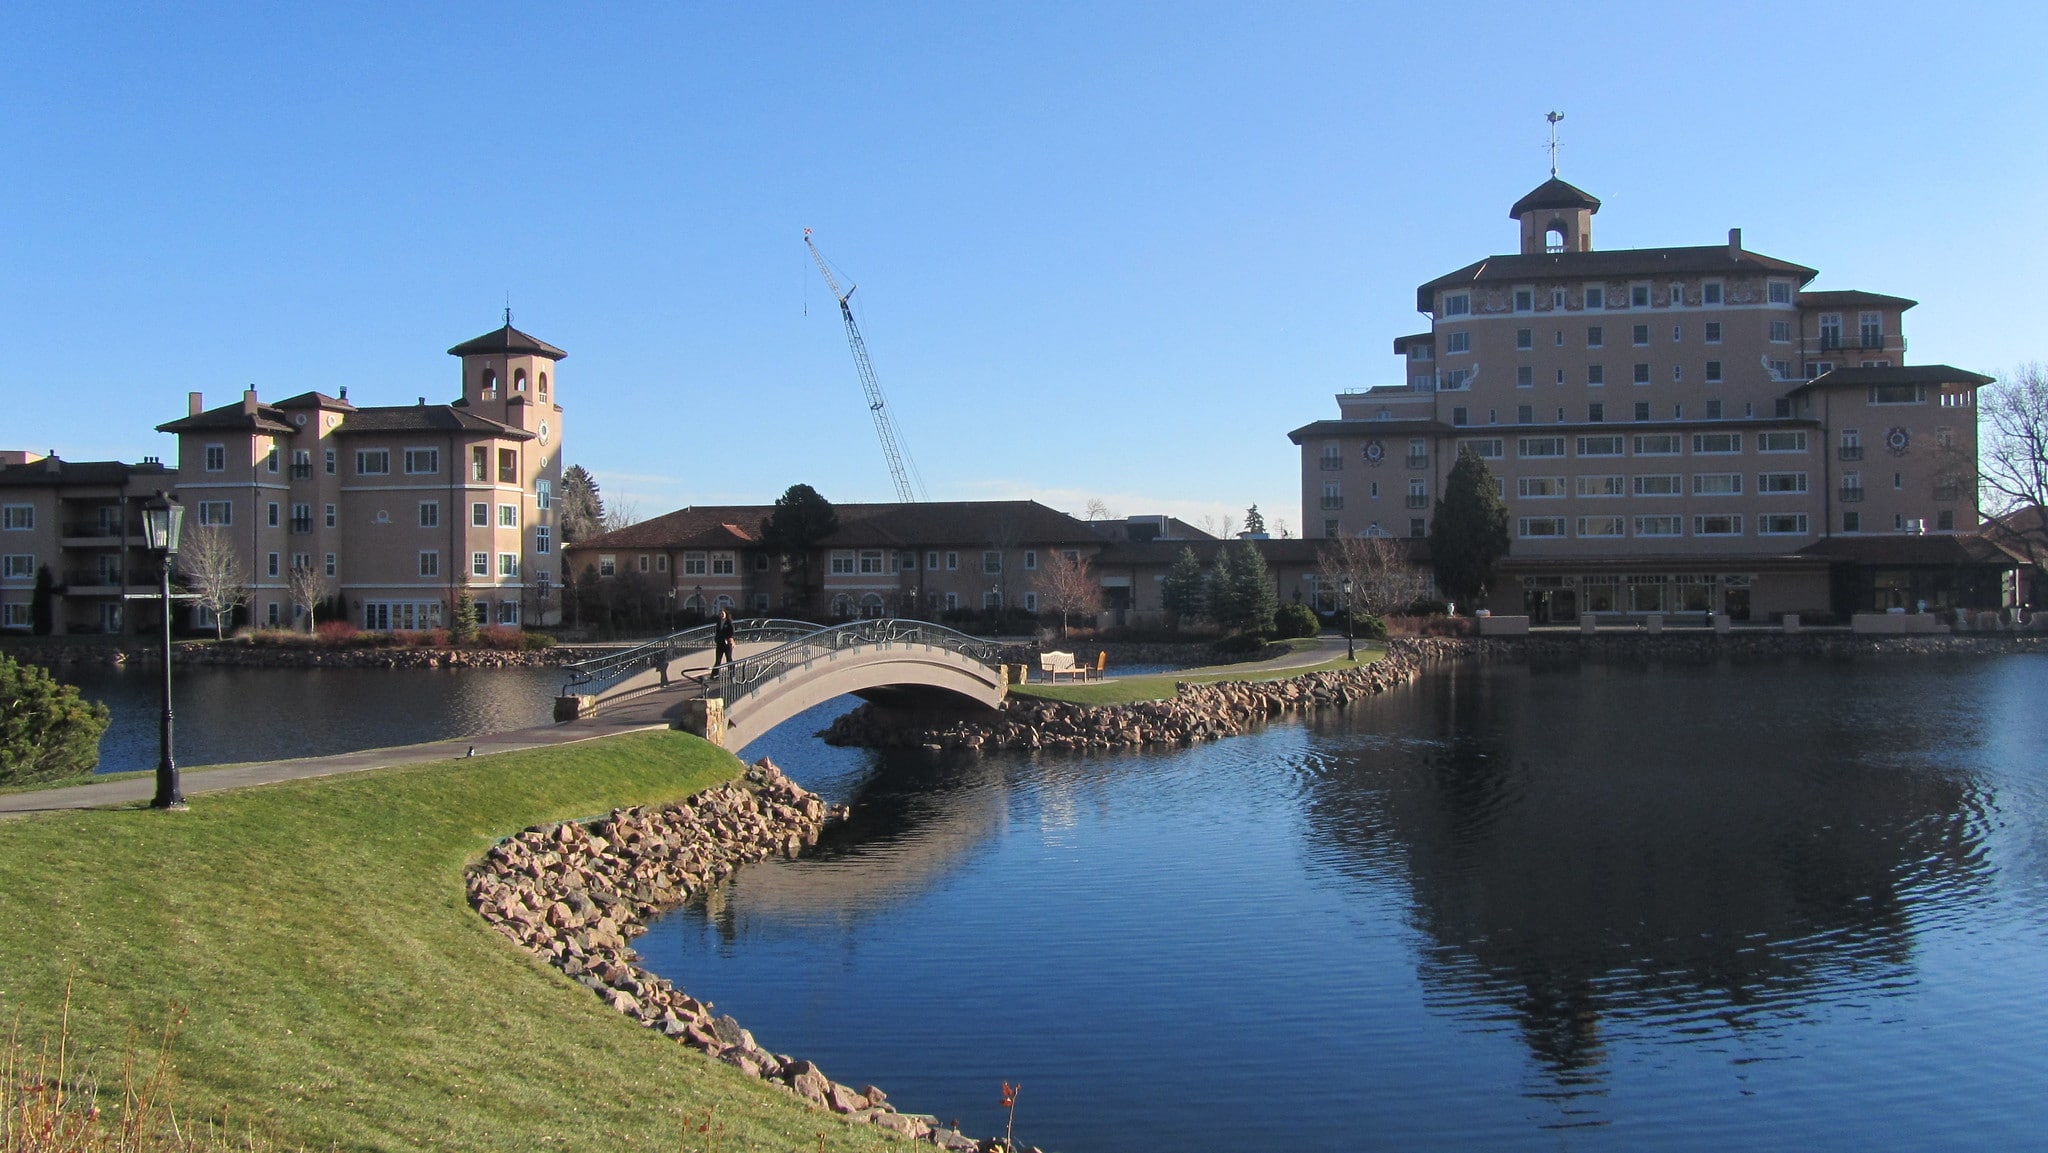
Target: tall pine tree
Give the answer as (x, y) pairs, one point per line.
(1470, 536)
(1181, 593)
(579, 508)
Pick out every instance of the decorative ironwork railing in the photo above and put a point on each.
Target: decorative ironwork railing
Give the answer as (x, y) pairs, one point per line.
(742, 677)
(625, 662)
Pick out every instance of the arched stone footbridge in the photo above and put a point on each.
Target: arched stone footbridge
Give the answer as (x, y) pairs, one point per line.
(785, 667)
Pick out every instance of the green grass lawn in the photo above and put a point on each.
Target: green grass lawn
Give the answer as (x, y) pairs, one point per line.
(1124, 690)
(341, 992)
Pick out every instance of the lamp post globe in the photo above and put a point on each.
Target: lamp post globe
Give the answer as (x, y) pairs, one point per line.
(163, 521)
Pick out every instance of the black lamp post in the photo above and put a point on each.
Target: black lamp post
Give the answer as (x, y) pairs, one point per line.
(162, 520)
(1350, 646)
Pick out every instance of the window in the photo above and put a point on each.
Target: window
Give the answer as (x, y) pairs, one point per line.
(508, 466)
(430, 514)
(1780, 482)
(1781, 524)
(480, 565)
(1539, 446)
(270, 514)
(1642, 410)
(1602, 526)
(331, 516)
(1944, 521)
(270, 460)
(1640, 335)
(419, 461)
(1418, 493)
(1713, 372)
(1461, 415)
(1600, 446)
(1333, 496)
(1594, 337)
(1779, 292)
(1642, 373)
(270, 564)
(1330, 528)
(1717, 484)
(1525, 338)
(1525, 301)
(1525, 414)
(1457, 304)
(952, 561)
(17, 517)
(1417, 527)
(1659, 526)
(216, 458)
(1596, 413)
(328, 461)
(270, 615)
(1830, 330)
(508, 612)
(1781, 331)
(544, 538)
(1454, 379)
(1030, 560)
(479, 463)
(430, 563)
(1794, 441)
(1677, 372)
(1898, 394)
(661, 562)
(1639, 296)
(1660, 484)
(607, 564)
(842, 562)
(1674, 296)
(1540, 487)
(1716, 443)
(216, 513)
(931, 560)
(1713, 410)
(373, 461)
(508, 564)
(508, 516)
(1870, 327)
(1596, 296)
(518, 380)
(330, 564)
(992, 561)
(1658, 444)
(870, 561)
(1333, 456)
(1710, 292)
(1717, 524)
(1852, 522)
(1713, 332)
(1458, 342)
(16, 615)
(18, 566)
(1485, 448)
(1539, 527)
(1525, 376)
(1596, 375)
(543, 493)
(1602, 486)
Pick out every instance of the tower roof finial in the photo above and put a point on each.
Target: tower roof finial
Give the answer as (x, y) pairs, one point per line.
(1554, 117)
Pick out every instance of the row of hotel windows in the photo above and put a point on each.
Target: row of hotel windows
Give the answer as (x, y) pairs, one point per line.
(1639, 295)
(1705, 524)
(389, 616)
(377, 462)
(1642, 444)
(429, 564)
(221, 514)
(1871, 336)
(1652, 484)
(842, 562)
(694, 563)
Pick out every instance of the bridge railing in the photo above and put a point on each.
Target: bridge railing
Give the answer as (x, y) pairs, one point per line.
(603, 670)
(742, 677)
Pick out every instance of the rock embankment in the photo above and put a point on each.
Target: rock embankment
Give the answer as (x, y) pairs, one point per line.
(1196, 712)
(574, 893)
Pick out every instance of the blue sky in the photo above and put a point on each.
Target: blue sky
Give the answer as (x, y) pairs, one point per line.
(1105, 251)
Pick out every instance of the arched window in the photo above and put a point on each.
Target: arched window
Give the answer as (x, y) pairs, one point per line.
(1553, 238)
(723, 603)
(694, 604)
(842, 606)
(543, 384)
(518, 380)
(871, 606)
(489, 385)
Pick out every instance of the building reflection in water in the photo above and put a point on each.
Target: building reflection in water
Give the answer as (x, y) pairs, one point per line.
(1566, 873)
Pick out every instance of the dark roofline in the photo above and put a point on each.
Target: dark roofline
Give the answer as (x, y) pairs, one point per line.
(1552, 194)
(508, 340)
(1861, 377)
(1653, 262)
(1834, 297)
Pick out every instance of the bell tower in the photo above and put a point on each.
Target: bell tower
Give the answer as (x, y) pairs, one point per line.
(1555, 217)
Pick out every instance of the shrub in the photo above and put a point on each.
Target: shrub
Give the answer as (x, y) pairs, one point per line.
(1239, 644)
(1429, 626)
(1369, 626)
(1296, 621)
(534, 641)
(506, 638)
(47, 732)
(335, 633)
(1428, 608)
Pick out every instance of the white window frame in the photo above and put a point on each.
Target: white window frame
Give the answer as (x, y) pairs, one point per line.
(216, 513)
(430, 562)
(1617, 522)
(1731, 524)
(430, 514)
(215, 457)
(480, 564)
(1654, 526)
(422, 461)
(1717, 484)
(1540, 528)
(1780, 483)
(373, 462)
(1781, 440)
(508, 516)
(1649, 484)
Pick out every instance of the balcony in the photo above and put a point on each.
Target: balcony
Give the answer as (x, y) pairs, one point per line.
(1850, 452)
(1333, 464)
(302, 470)
(91, 581)
(1332, 503)
(1861, 342)
(1418, 461)
(302, 524)
(1851, 495)
(1418, 500)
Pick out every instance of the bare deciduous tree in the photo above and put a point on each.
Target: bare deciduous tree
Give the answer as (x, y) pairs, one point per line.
(1066, 584)
(619, 514)
(1382, 580)
(212, 570)
(304, 583)
(1098, 509)
(2012, 462)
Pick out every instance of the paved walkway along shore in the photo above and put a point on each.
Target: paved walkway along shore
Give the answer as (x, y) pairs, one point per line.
(652, 710)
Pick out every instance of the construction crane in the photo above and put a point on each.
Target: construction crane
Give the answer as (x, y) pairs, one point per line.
(903, 471)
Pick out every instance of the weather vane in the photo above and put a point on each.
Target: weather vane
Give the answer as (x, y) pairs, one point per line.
(1554, 117)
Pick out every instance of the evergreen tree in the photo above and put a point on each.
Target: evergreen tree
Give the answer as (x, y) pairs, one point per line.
(1219, 600)
(42, 610)
(462, 629)
(1252, 599)
(47, 732)
(1253, 522)
(579, 507)
(800, 521)
(1181, 593)
(1470, 535)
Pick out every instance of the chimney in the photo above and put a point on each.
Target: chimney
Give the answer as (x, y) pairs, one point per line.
(249, 401)
(423, 402)
(1735, 244)
(195, 403)
(344, 392)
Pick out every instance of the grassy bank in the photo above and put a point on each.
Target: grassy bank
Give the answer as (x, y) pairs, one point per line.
(1125, 690)
(340, 991)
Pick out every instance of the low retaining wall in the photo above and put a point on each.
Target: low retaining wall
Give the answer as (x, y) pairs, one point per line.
(574, 893)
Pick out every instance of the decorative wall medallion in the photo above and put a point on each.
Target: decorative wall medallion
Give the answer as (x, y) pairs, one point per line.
(543, 432)
(1898, 440)
(1375, 452)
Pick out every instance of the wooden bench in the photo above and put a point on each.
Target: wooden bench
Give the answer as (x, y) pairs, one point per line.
(1058, 664)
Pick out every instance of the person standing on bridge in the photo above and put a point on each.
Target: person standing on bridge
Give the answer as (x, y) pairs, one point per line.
(723, 637)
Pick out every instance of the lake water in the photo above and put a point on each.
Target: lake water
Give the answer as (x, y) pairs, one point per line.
(227, 715)
(1598, 906)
